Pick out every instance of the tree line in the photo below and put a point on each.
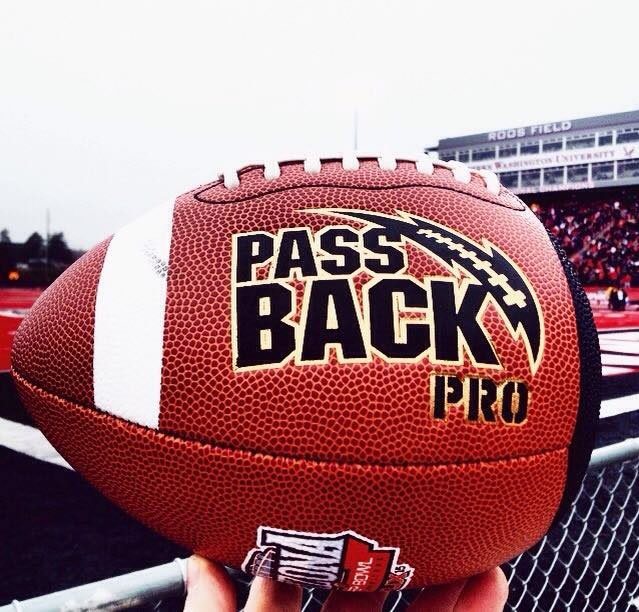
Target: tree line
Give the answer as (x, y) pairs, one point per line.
(35, 247)
(36, 261)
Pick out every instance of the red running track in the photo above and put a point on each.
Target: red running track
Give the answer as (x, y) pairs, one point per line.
(14, 305)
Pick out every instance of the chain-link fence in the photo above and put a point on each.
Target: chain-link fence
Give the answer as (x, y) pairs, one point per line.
(588, 562)
(585, 563)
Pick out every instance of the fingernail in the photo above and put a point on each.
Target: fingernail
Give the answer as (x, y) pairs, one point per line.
(192, 572)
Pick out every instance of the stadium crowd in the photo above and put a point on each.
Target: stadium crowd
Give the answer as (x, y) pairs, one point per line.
(600, 237)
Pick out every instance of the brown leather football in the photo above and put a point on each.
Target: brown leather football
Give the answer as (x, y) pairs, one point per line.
(357, 373)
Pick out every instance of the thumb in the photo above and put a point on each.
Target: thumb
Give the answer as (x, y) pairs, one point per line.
(208, 586)
(486, 592)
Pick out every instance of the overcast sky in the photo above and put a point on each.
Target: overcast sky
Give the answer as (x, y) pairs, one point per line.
(108, 108)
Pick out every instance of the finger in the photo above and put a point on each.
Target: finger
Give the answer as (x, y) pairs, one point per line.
(486, 592)
(267, 595)
(439, 598)
(208, 586)
(343, 601)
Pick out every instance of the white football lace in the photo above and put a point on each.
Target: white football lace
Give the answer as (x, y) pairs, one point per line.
(424, 164)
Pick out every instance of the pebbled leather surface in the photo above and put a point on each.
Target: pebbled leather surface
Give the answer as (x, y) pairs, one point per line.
(53, 346)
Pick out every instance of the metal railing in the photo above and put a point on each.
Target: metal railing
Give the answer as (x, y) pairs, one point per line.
(586, 562)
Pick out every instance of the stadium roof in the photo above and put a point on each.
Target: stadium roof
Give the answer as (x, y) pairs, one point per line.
(547, 130)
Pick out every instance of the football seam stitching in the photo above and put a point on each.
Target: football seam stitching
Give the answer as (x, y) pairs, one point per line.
(284, 457)
(198, 194)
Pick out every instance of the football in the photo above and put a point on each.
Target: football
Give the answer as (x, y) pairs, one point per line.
(359, 373)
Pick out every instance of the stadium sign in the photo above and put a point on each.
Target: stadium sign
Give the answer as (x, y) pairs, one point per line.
(560, 158)
(531, 130)
(562, 187)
